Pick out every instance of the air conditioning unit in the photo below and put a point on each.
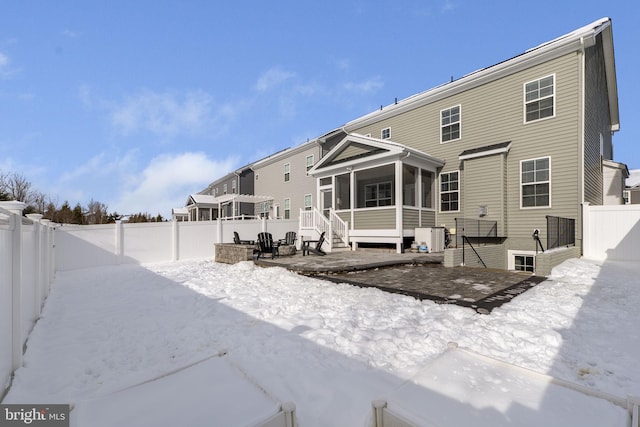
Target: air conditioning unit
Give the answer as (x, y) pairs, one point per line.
(432, 236)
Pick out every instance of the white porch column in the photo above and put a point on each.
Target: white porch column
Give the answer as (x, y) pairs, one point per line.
(398, 200)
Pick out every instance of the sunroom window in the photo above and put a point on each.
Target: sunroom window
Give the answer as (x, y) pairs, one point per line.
(409, 185)
(343, 191)
(375, 187)
(426, 181)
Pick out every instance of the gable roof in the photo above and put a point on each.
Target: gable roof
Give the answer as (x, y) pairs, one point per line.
(207, 199)
(633, 181)
(355, 148)
(581, 38)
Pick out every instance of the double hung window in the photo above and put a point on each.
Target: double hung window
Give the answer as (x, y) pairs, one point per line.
(535, 179)
(287, 172)
(539, 99)
(378, 194)
(450, 120)
(450, 191)
(287, 208)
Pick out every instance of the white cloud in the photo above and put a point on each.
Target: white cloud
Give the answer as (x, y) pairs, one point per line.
(164, 114)
(167, 180)
(69, 33)
(272, 78)
(5, 67)
(449, 6)
(368, 86)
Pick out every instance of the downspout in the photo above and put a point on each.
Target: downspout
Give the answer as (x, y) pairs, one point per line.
(582, 118)
(399, 201)
(582, 134)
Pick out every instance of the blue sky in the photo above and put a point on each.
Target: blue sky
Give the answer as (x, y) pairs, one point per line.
(138, 104)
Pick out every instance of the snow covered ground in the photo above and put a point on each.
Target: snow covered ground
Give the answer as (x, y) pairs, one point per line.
(331, 349)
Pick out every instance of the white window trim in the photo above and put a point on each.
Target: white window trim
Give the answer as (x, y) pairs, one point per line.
(286, 170)
(309, 166)
(524, 99)
(287, 201)
(511, 258)
(459, 122)
(529, 183)
(382, 133)
(377, 199)
(439, 201)
(224, 189)
(233, 186)
(626, 197)
(304, 202)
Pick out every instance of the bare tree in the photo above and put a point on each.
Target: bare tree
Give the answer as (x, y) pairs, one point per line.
(16, 186)
(38, 200)
(96, 212)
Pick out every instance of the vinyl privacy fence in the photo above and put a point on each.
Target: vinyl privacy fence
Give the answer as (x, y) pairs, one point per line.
(611, 232)
(33, 249)
(26, 270)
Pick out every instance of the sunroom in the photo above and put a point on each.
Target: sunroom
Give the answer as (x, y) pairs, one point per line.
(379, 190)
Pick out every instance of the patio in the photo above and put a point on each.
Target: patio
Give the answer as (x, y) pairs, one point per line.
(421, 276)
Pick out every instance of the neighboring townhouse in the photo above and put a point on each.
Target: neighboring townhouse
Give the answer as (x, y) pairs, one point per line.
(283, 176)
(229, 196)
(614, 176)
(632, 188)
(496, 155)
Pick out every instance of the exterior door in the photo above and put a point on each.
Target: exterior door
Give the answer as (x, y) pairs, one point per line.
(326, 199)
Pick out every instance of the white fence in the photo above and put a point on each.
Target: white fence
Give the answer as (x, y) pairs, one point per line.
(26, 270)
(82, 246)
(611, 232)
(32, 249)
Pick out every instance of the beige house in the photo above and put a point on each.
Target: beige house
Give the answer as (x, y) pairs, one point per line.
(510, 148)
(632, 188)
(284, 177)
(502, 158)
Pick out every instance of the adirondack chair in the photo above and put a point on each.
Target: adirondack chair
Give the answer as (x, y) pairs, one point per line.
(316, 249)
(289, 239)
(237, 241)
(266, 245)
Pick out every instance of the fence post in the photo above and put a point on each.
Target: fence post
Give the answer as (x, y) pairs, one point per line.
(175, 247)
(16, 209)
(47, 257)
(586, 230)
(119, 241)
(37, 263)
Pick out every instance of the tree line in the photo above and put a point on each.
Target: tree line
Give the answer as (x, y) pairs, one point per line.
(14, 186)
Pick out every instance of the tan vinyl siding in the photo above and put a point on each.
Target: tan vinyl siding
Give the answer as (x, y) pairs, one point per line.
(410, 218)
(428, 219)
(270, 180)
(345, 216)
(494, 113)
(484, 187)
(352, 150)
(374, 219)
(597, 122)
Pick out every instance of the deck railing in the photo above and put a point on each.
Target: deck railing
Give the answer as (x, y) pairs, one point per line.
(560, 232)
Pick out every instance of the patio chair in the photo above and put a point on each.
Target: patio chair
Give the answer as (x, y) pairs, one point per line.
(237, 241)
(316, 249)
(289, 239)
(266, 245)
